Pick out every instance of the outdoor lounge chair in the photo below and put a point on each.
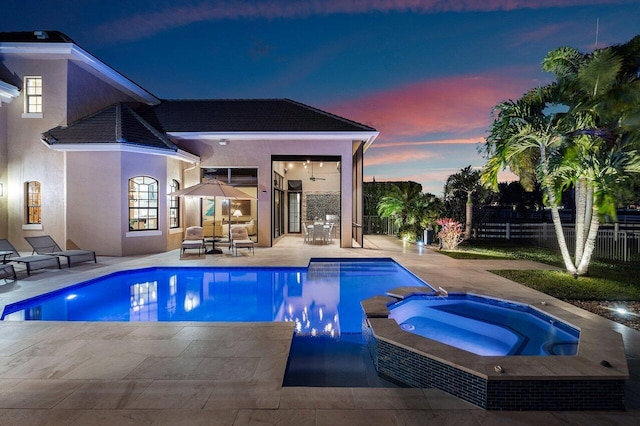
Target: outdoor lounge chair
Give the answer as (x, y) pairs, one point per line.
(38, 261)
(193, 239)
(240, 239)
(7, 271)
(46, 245)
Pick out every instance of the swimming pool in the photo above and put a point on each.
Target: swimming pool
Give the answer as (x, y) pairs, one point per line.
(485, 326)
(322, 299)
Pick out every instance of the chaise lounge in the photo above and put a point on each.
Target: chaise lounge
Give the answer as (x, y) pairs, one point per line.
(46, 245)
(31, 262)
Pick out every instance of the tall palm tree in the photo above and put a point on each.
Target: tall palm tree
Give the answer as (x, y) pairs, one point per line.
(465, 182)
(592, 147)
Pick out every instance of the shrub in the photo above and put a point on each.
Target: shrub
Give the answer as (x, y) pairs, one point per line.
(450, 234)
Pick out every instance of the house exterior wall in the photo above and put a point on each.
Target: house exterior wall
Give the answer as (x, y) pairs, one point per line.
(28, 159)
(4, 218)
(174, 171)
(144, 242)
(80, 83)
(68, 180)
(94, 199)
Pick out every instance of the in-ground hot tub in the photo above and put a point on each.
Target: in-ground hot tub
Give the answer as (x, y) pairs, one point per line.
(590, 375)
(485, 326)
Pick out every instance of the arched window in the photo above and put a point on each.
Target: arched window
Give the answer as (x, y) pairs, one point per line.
(143, 203)
(34, 203)
(174, 205)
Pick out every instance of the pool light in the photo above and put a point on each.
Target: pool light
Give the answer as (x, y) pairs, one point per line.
(72, 296)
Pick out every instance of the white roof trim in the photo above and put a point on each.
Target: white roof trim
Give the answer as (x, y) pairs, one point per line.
(118, 147)
(74, 52)
(8, 92)
(367, 137)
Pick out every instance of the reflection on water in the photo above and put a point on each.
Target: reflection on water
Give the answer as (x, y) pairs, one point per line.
(323, 299)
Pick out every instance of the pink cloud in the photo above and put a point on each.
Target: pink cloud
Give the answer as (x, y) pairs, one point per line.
(397, 144)
(396, 157)
(147, 24)
(457, 105)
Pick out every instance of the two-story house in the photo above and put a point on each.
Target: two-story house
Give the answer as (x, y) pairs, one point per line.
(89, 156)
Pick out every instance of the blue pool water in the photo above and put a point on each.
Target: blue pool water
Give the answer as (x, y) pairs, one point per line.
(485, 326)
(322, 299)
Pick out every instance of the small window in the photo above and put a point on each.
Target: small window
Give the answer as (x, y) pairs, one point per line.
(33, 95)
(143, 203)
(174, 205)
(34, 203)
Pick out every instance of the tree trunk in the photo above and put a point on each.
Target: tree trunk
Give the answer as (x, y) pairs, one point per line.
(555, 216)
(581, 211)
(590, 243)
(562, 242)
(468, 217)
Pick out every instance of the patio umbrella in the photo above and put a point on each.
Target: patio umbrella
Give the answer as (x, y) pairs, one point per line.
(213, 189)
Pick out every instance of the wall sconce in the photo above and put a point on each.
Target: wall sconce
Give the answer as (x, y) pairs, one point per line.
(223, 142)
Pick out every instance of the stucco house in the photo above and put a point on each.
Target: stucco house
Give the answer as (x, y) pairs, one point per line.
(89, 156)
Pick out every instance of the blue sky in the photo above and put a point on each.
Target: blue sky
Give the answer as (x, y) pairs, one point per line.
(424, 73)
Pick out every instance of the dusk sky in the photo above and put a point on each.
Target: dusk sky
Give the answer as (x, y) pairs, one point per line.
(424, 73)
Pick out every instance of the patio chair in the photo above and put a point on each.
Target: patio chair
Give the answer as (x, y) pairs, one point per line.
(240, 239)
(44, 244)
(308, 232)
(319, 232)
(30, 262)
(193, 239)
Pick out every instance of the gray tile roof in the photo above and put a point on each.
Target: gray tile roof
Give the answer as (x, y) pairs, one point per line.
(147, 127)
(246, 115)
(116, 124)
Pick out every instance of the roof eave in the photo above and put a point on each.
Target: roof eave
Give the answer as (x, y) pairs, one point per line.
(367, 137)
(8, 92)
(121, 147)
(74, 52)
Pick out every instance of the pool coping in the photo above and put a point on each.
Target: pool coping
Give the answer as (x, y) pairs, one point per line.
(586, 366)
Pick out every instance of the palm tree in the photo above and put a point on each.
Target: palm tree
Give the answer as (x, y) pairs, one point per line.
(591, 147)
(400, 202)
(410, 208)
(466, 182)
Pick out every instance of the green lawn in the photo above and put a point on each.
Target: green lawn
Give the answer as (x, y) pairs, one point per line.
(606, 280)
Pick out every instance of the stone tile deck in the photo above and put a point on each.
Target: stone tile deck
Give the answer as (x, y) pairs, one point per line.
(231, 374)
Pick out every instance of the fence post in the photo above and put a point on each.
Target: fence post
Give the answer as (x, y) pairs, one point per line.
(508, 231)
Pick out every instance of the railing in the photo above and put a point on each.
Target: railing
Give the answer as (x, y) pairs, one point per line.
(614, 242)
(376, 225)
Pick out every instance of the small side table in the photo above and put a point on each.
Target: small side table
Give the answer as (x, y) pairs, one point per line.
(213, 250)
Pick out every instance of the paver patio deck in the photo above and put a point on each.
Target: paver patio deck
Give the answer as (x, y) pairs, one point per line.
(231, 374)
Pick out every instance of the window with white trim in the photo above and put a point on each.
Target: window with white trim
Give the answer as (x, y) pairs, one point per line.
(34, 203)
(174, 205)
(143, 203)
(33, 95)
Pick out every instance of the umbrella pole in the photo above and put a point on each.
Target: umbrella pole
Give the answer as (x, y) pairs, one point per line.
(214, 250)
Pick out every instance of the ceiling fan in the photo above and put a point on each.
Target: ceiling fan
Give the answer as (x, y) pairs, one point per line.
(313, 178)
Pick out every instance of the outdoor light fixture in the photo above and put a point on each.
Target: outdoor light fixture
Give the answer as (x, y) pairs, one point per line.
(622, 311)
(321, 164)
(1, 190)
(223, 142)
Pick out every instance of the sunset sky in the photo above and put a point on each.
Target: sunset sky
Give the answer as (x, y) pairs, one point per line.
(424, 73)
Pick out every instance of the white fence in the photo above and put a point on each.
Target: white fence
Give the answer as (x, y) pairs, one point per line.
(614, 242)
